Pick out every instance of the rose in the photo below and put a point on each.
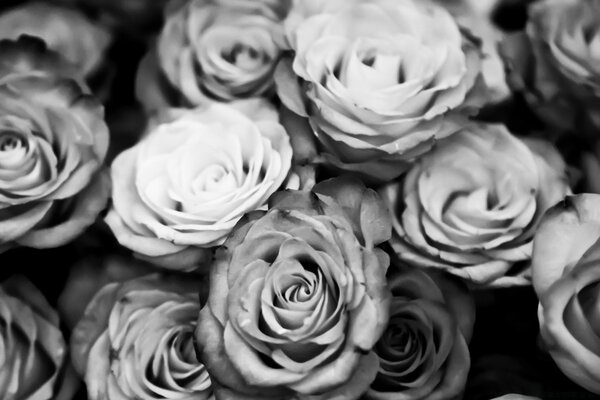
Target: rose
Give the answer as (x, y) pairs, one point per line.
(53, 140)
(298, 297)
(211, 49)
(554, 63)
(423, 352)
(64, 30)
(472, 205)
(135, 341)
(183, 188)
(379, 81)
(34, 362)
(566, 266)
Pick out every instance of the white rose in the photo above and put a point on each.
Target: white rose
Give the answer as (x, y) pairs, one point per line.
(183, 188)
(379, 81)
(472, 205)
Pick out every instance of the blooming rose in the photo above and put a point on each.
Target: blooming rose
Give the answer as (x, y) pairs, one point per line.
(53, 140)
(423, 353)
(135, 342)
(298, 297)
(183, 188)
(211, 49)
(34, 362)
(379, 80)
(566, 277)
(472, 205)
(554, 63)
(64, 30)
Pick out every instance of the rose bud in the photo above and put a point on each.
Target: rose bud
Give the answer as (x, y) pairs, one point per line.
(66, 31)
(554, 63)
(566, 277)
(135, 341)
(298, 297)
(212, 50)
(423, 353)
(472, 205)
(378, 81)
(34, 359)
(53, 141)
(181, 190)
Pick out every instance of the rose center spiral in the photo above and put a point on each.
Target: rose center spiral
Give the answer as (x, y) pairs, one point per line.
(244, 56)
(215, 178)
(10, 140)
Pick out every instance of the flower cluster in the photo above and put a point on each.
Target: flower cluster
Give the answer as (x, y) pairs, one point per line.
(299, 199)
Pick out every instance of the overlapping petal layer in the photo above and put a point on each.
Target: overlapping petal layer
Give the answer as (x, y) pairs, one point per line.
(184, 187)
(298, 297)
(566, 266)
(135, 341)
(34, 362)
(53, 140)
(423, 353)
(212, 49)
(471, 206)
(554, 63)
(379, 80)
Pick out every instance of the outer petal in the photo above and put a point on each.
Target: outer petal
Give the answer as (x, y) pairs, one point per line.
(364, 207)
(87, 206)
(565, 233)
(578, 360)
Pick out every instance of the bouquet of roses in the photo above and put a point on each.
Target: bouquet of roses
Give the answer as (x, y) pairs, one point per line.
(300, 199)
